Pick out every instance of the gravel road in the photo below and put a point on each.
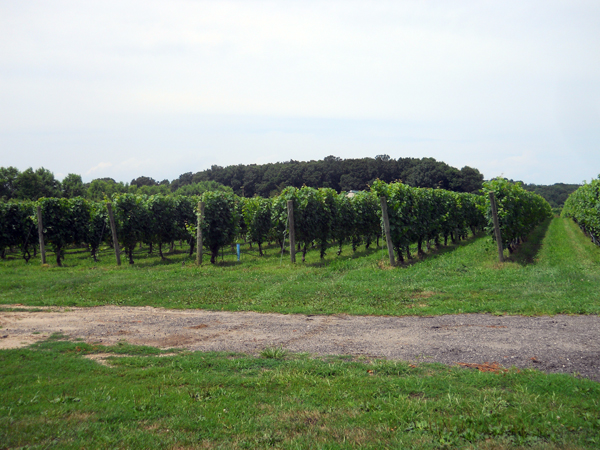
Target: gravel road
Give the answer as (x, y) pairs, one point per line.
(567, 344)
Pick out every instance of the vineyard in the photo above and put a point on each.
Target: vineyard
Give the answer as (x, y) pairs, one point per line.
(322, 219)
(583, 206)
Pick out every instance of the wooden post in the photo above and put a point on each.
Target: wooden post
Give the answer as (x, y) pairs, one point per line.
(386, 226)
(496, 227)
(113, 228)
(290, 209)
(41, 234)
(199, 233)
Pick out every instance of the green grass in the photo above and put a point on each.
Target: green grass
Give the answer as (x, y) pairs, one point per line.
(556, 271)
(53, 397)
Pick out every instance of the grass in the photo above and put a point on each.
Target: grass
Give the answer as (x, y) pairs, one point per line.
(556, 271)
(274, 352)
(54, 397)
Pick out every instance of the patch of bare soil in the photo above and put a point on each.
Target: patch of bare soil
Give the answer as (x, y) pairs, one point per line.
(567, 344)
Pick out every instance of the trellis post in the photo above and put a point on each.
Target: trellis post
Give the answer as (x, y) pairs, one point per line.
(496, 226)
(290, 210)
(386, 226)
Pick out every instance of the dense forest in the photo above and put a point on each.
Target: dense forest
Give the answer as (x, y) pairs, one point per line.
(555, 194)
(267, 180)
(336, 173)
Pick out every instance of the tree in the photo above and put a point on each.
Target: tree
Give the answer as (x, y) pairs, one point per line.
(143, 181)
(32, 185)
(72, 186)
(471, 180)
(429, 173)
(202, 187)
(102, 188)
(8, 179)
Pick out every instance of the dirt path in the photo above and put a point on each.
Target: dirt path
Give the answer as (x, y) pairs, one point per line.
(569, 344)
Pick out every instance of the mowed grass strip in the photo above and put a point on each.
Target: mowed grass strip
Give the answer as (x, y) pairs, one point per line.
(53, 396)
(556, 271)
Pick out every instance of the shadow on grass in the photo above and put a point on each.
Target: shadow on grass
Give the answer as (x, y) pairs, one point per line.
(415, 258)
(433, 252)
(526, 253)
(332, 256)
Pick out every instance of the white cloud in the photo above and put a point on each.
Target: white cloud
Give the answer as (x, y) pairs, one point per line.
(99, 167)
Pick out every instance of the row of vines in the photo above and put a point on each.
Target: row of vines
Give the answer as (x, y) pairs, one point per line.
(583, 206)
(322, 219)
(519, 211)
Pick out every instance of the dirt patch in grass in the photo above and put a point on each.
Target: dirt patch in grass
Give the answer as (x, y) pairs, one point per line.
(560, 343)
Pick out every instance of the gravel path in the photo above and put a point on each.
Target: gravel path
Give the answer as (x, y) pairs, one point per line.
(568, 344)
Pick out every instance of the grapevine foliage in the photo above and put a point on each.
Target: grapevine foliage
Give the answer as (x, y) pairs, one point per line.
(322, 218)
(161, 226)
(132, 221)
(18, 228)
(220, 222)
(583, 206)
(257, 220)
(423, 214)
(98, 229)
(65, 222)
(519, 211)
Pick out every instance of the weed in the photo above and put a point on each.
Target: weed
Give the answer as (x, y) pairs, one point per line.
(274, 352)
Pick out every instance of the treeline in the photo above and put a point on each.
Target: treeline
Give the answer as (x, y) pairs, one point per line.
(265, 180)
(322, 218)
(34, 184)
(336, 173)
(583, 206)
(555, 194)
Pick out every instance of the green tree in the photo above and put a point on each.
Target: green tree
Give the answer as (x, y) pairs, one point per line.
(32, 185)
(8, 182)
(471, 180)
(143, 181)
(72, 186)
(102, 188)
(202, 187)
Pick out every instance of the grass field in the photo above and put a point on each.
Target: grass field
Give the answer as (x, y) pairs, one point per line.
(556, 271)
(54, 397)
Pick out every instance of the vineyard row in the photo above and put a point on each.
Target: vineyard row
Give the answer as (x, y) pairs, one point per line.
(583, 206)
(322, 218)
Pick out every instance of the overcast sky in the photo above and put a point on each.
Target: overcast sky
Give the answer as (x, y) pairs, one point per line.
(158, 88)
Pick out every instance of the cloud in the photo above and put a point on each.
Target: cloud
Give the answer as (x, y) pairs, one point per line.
(100, 166)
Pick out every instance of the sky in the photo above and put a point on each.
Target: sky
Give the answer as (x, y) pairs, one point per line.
(128, 88)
